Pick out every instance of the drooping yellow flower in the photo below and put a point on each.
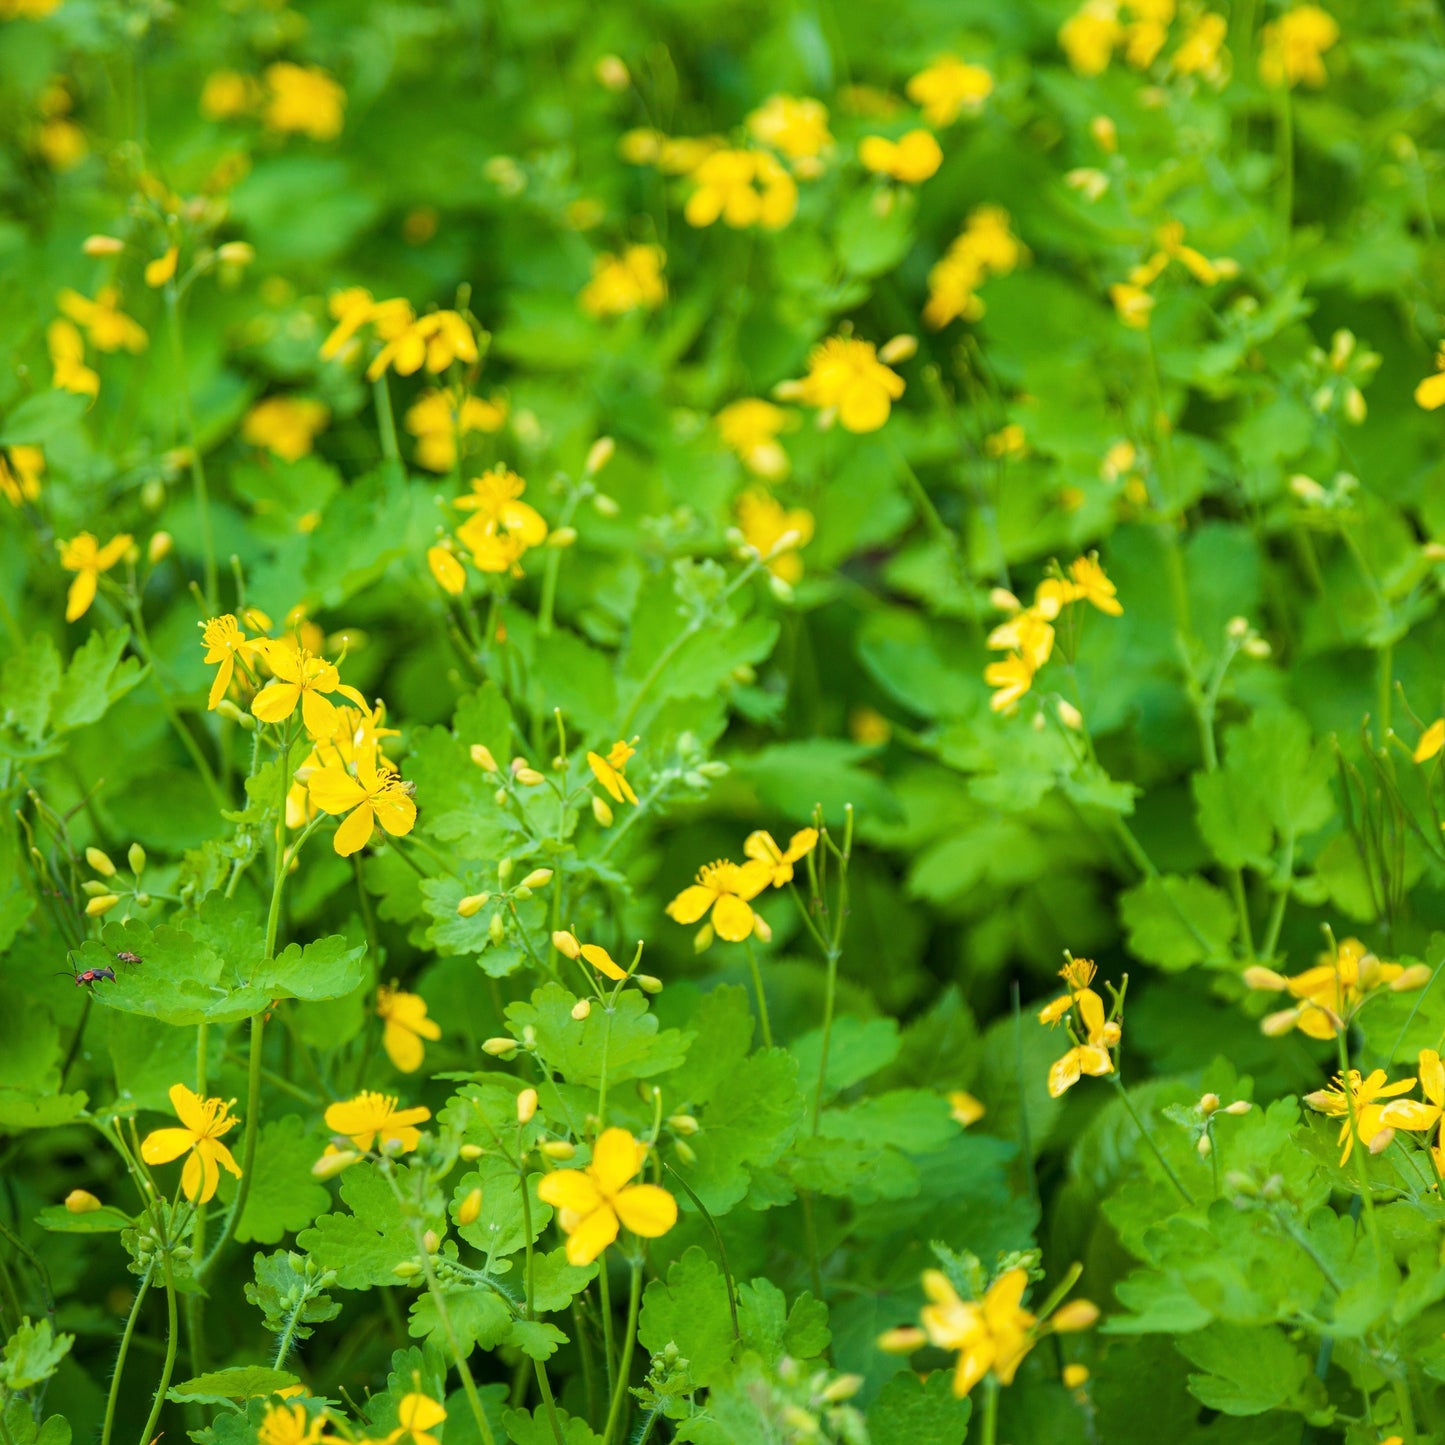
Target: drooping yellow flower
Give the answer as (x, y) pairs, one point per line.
(1077, 974)
(203, 1123)
(630, 281)
(87, 559)
(750, 428)
(301, 678)
(1093, 586)
(593, 1203)
(1027, 633)
(502, 527)
(288, 1425)
(355, 307)
(1431, 392)
(911, 159)
(405, 1026)
(107, 326)
(1096, 1035)
(566, 942)
(1011, 677)
(725, 889)
(438, 424)
(762, 848)
(609, 770)
(304, 100)
(741, 188)
(1331, 991)
(1360, 1096)
(434, 341)
(767, 525)
(67, 359)
(372, 1118)
(846, 376)
(992, 1334)
(948, 88)
(1291, 48)
(1089, 35)
(20, 474)
(795, 126)
(287, 426)
(367, 796)
(985, 247)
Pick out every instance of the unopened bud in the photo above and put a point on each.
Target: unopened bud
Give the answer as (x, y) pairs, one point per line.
(1205, 1146)
(604, 505)
(143, 899)
(902, 1341)
(93, 887)
(843, 1388)
(500, 1047)
(611, 72)
(529, 777)
(100, 862)
(900, 348)
(557, 1149)
(1257, 648)
(647, 982)
(566, 943)
(1417, 975)
(135, 855)
(1070, 716)
(431, 1241)
(702, 939)
(526, 1106)
(581, 1009)
(482, 757)
(236, 253)
(160, 546)
(232, 713)
(684, 1151)
(471, 1152)
(1078, 1314)
(1382, 1141)
(1075, 1376)
(82, 1201)
(562, 537)
(472, 904)
(102, 246)
(496, 929)
(537, 878)
(1208, 1104)
(599, 454)
(504, 870)
(1105, 133)
(1257, 976)
(470, 1208)
(682, 1123)
(407, 1269)
(333, 1161)
(1275, 1025)
(1239, 1106)
(100, 905)
(602, 812)
(1237, 628)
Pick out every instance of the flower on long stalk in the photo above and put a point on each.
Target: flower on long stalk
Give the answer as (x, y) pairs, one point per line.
(1094, 1035)
(406, 1025)
(203, 1123)
(725, 890)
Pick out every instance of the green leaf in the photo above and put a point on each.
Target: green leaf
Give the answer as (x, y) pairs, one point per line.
(535, 1428)
(42, 417)
(95, 679)
(857, 1049)
(479, 1317)
(910, 1411)
(284, 1195)
(365, 1246)
(289, 1292)
(32, 1354)
(1176, 922)
(220, 1387)
(28, 682)
(1276, 756)
(1249, 1371)
(324, 969)
(536, 1339)
(795, 777)
(770, 1329)
(690, 1310)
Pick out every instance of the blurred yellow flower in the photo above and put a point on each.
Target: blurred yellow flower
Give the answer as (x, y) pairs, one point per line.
(1090, 584)
(1202, 51)
(67, 358)
(777, 532)
(159, 271)
(1132, 304)
(228, 94)
(372, 1118)
(725, 889)
(1089, 35)
(1291, 48)
(303, 99)
(948, 88)
(405, 1025)
(87, 559)
(911, 159)
(627, 282)
(106, 325)
(609, 770)
(20, 474)
(749, 428)
(1431, 392)
(762, 848)
(994, 1333)
(845, 376)
(985, 247)
(502, 527)
(1331, 991)
(287, 426)
(434, 341)
(796, 126)
(741, 188)
(203, 1122)
(964, 1109)
(437, 423)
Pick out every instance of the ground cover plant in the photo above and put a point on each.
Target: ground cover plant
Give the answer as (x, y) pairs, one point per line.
(721, 722)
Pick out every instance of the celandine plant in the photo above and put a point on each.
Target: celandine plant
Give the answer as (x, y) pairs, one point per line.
(595, 608)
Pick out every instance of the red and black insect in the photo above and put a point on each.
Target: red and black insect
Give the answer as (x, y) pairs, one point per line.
(92, 975)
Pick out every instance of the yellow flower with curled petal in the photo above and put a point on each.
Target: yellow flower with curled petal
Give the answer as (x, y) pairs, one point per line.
(203, 1123)
(630, 281)
(741, 188)
(372, 1118)
(303, 100)
(448, 571)
(1094, 1036)
(405, 1025)
(287, 426)
(67, 359)
(301, 678)
(84, 556)
(609, 770)
(593, 953)
(762, 847)
(911, 159)
(1431, 741)
(948, 88)
(1361, 1097)
(1333, 990)
(749, 428)
(416, 1416)
(20, 474)
(1291, 47)
(1093, 586)
(366, 795)
(594, 1203)
(502, 526)
(107, 326)
(224, 642)
(725, 890)
(1011, 677)
(846, 376)
(769, 526)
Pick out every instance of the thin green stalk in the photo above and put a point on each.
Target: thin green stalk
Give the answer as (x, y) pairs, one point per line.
(722, 1253)
(988, 1428)
(1148, 1138)
(604, 1293)
(1284, 140)
(1281, 901)
(830, 990)
(764, 1025)
(619, 1391)
(198, 470)
(1343, 1052)
(1025, 1138)
(385, 419)
(172, 1340)
(113, 1398)
(543, 1383)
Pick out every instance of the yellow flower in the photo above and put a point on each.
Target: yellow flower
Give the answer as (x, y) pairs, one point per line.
(1078, 974)
(224, 641)
(1093, 586)
(67, 359)
(1012, 678)
(1431, 741)
(1089, 35)
(288, 1425)
(725, 889)
(438, 424)
(434, 341)
(767, 525)
(1202, 50)
(845, 374)
(368, 796)
(415, 1416)
(107, 326)
(763, 848)
(992, 1334)
(374, 1118)
(449, 573)
(912, 159)
(1413, 1115)
(405, 1026)
(749, 428)
(1291, 47)
(592, 953)
(948, 88)
(83, 556)
(1431, 392)
(1132, 304)
(1028, 634)
(159, 271)
(608, 771)
(741, 188)
(1360, 1096)
(797, 126)
(20, 474)
(592, 1203)
(964, 1109)
(624, 283)
(303, 99)
(1091, 1054)
(305, 679)
(285, 425)
(1331, 991)
(502, 527)
(203, 1122)
(354, 308)
(228, 94)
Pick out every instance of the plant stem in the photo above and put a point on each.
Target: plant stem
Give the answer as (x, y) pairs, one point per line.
(830, 990)
(543, 1383)
(114, 1396)
(1148, 1138)
(385, 419)
(722, 1253)
(172, 1340)
(198, 470)
(619, 1391)
(764, 1026)
(988, 1432)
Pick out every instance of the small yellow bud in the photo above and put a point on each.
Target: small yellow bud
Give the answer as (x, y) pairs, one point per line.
(1078, 1314)
(1382, 1141)
(496, 929)
(1237, 628)
(563, 537)
(1257, 648)
(100, 862)
(682, 1124)
(647, 982)
(100, 905)
(82, 1201)
(611, 72)
(333, 1161)
(471, 1152)
(236, 253)
(843, 1388)
(602, 812)
(93, 887)
(604, 505)
(1105, 133)
(599, 455)
(102, 246)
(557, 1149)
(1205, 1146)
(529, 777)
(1257, 976)
(702, 939)
(1417, 975)
(900, 348)
(470, 1208)
(472, 904)
(581, 1009)
(228, 710)
(566, 943)
(1276, 1025)
(684, 1151)
(1208, 1104)
(135, 855)
(902, 1341)
(144, 899)
(537, 878)
(1070, 716)
(1239, 1106)
(160, 546)
(431, 1241)
(500, 1048)
(407, 1269)
(1306, 488)
(526, 1106)
(1075, 1376)
(482, 757)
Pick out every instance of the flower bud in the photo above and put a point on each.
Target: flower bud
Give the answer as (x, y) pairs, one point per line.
(682, 1124)
(1382, 1141)
(602, 812)
(1417, 975)
(102, 246)
(470, 1208)
(1208, 1104)
(228, 710)
(82, 1201)
(1105, 133)
(581, 1009)
(1237, 629)
(470, 1152)
(1070, 716)
(537, 878)
(1205, 1146)
(1075, 1376)
(521, 892)
(504, 870)
(1239, 1106)
(100, 905)
(496, 929)
(604, 505)
(93, 887)
(135, 855)
(562, 538)
(472, 904)
(500, 1048)
(1276, 1025)
(900, 348)
(482, 757)
(100, 862)
(684, 1151)
(236, 253)
(611, 72)
(647, 982)
(843, 1388)
(599, 455)
(902, 1341)
(566, 943)
(407, 1269)
(160, 546)
(526, 1106)
(1078, 1314)
(431, 1241)
(333, 1161)
(1259, 977)
(529, 777)
(144, 899)
(557, 1149)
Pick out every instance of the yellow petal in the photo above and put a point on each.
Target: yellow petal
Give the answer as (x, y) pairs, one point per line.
(616, 1158)
(80, 596)
(647, 1210)
(591, 1236)
(732, 918)
(569, 1189)
(160, 1146)
(602, 961)
(355, 831)
(405, 1050)
(691, 904)
(276, 701)
(334, 790)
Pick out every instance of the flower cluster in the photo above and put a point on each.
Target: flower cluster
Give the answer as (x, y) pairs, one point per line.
(1094, 1035)
(724, 890)
(1331, 993)
(985, 247)
(1140, 29)
(290, 99)
(499, 531)
(851, 380)
(1134, 301)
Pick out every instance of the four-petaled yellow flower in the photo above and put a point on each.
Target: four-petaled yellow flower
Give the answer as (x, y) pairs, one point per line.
(725, 889)
(630, 281)
(992, 1334)
(67, 359)
(416, 1416)
(1089, 35)
(1291, 47)
(203, 1122)
(1096, 1034)
(372, 1118)
(911, 159)
(405, 1025)
(1361, 1097)
(87, 559)
(948, 88)
(288, 1425)
(775, 531)
(502, 527)
(304, 100)
(286, 426)
(438, 424)
(1091, 585)
(592, 1203)
(609, 770)
(434, 341)
(368, 796)
(741, 188)
(985, 247)
(846, 376)
(301, 677)
(762, 848)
